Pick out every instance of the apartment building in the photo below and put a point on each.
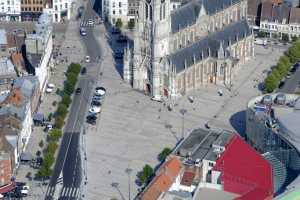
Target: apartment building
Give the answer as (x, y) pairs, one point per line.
(112, 10)
(60, 10)
(31, 9)
(10, 10)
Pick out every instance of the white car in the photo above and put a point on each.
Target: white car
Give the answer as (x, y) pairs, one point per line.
(51, 85)
(49, 90)
(24, 192)
(95, 109)
(100, 91)
(90, 22)
(87, 59)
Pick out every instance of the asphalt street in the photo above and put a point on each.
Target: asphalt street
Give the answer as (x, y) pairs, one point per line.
(69, 160)
(292, 83)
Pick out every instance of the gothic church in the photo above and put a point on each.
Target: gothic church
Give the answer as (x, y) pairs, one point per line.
(203, 42)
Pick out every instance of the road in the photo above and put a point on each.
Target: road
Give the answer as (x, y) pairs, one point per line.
(291, 84)
(69, 160)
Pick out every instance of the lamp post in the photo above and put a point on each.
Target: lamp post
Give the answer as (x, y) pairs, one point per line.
(182, 111)
(128, 172)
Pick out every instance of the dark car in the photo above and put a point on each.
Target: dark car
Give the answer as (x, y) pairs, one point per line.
(78, 91)
(91, 119)
(83, 70)
(122, 39)
(96, 103)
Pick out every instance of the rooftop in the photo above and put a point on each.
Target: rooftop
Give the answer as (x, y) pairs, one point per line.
(7, 68)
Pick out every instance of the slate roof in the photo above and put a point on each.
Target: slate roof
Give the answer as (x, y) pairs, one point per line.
(209, 46)
(187, 14)
(270, 12)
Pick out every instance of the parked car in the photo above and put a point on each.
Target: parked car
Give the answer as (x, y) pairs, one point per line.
(49, 90)
(91, 119)
(96, 103)
(95, 109)
(83, 71)
(78, 91)
(100, 91)
(87, 59)
(50, 85)
(83, 31)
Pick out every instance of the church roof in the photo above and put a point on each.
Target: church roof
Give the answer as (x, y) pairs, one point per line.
(210, 45)
(187, 14)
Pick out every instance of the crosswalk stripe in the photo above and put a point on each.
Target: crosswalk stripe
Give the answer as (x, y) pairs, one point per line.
(75, 193)
(63, 191)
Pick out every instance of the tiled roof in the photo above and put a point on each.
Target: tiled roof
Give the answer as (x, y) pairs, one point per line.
(14, 98)
(209, 46)
(17, 59)
(272, 12)
(187, 178)
(295, 16)
(163, 181)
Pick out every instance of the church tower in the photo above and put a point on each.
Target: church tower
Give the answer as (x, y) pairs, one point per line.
(161, 28)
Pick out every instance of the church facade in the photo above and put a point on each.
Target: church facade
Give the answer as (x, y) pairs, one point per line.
(203, 42)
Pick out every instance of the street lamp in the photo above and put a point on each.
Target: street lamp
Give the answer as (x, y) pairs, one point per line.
(128, 172)
(183, 111)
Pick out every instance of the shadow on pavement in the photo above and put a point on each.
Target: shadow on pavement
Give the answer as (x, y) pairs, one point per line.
(238, 122)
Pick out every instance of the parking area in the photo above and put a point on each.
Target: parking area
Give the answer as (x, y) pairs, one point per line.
(132, 129)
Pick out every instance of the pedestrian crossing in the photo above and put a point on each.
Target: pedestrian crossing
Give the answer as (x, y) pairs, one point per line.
(50, 191)
(86, 24)
(72, 192)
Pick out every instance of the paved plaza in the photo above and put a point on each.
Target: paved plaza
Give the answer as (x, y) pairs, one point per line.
(132, 129)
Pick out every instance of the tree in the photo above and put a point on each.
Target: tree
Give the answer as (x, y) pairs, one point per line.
(59, 122)
(294, 38)
(50, 116)
(131, 24)
(62, 110)
(66, 100)
(262, 34)
(146, 174)
(74, 67)
(164, 154)
(54, 135)
(69, 88)
(270, 83)
(285, 37)
(51, 148)
(119, 23)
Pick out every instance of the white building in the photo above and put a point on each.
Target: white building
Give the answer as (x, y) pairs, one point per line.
(59, 9)
(39, 50)
(279, 20)
(10, 10)
(112, 10)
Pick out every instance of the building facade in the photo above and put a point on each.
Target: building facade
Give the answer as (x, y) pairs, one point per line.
(112, 10)
(60, 10)
(200, 43)
(279, 20)
(31, 9)
(10, 10)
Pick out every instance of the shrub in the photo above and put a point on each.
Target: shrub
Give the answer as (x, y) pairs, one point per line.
(146, 174)
(74, 68)
(270, 83)
(131, 24)
(69, 88)
(54, 135)
(50, 116)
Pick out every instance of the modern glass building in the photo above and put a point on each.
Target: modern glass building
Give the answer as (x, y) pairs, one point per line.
(273, 129)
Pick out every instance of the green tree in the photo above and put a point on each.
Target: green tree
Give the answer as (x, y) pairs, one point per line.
(131, 24)
(59, 122)
(294, 38)
(62, 110)
(54, 135)
(51, 148)
(262, 34)
(69, 88)
(285, 37)
(277, 74)
(119, 23)
(50, 116)
(270, 83)
(146, 174)
(66, 100)
(164, 154)
(74, 67)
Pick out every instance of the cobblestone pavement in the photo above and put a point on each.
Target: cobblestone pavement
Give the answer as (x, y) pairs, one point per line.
(132, 129)
(70, 50)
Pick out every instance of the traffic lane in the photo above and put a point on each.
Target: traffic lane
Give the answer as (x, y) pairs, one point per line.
(291, 84)
(71, 171)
